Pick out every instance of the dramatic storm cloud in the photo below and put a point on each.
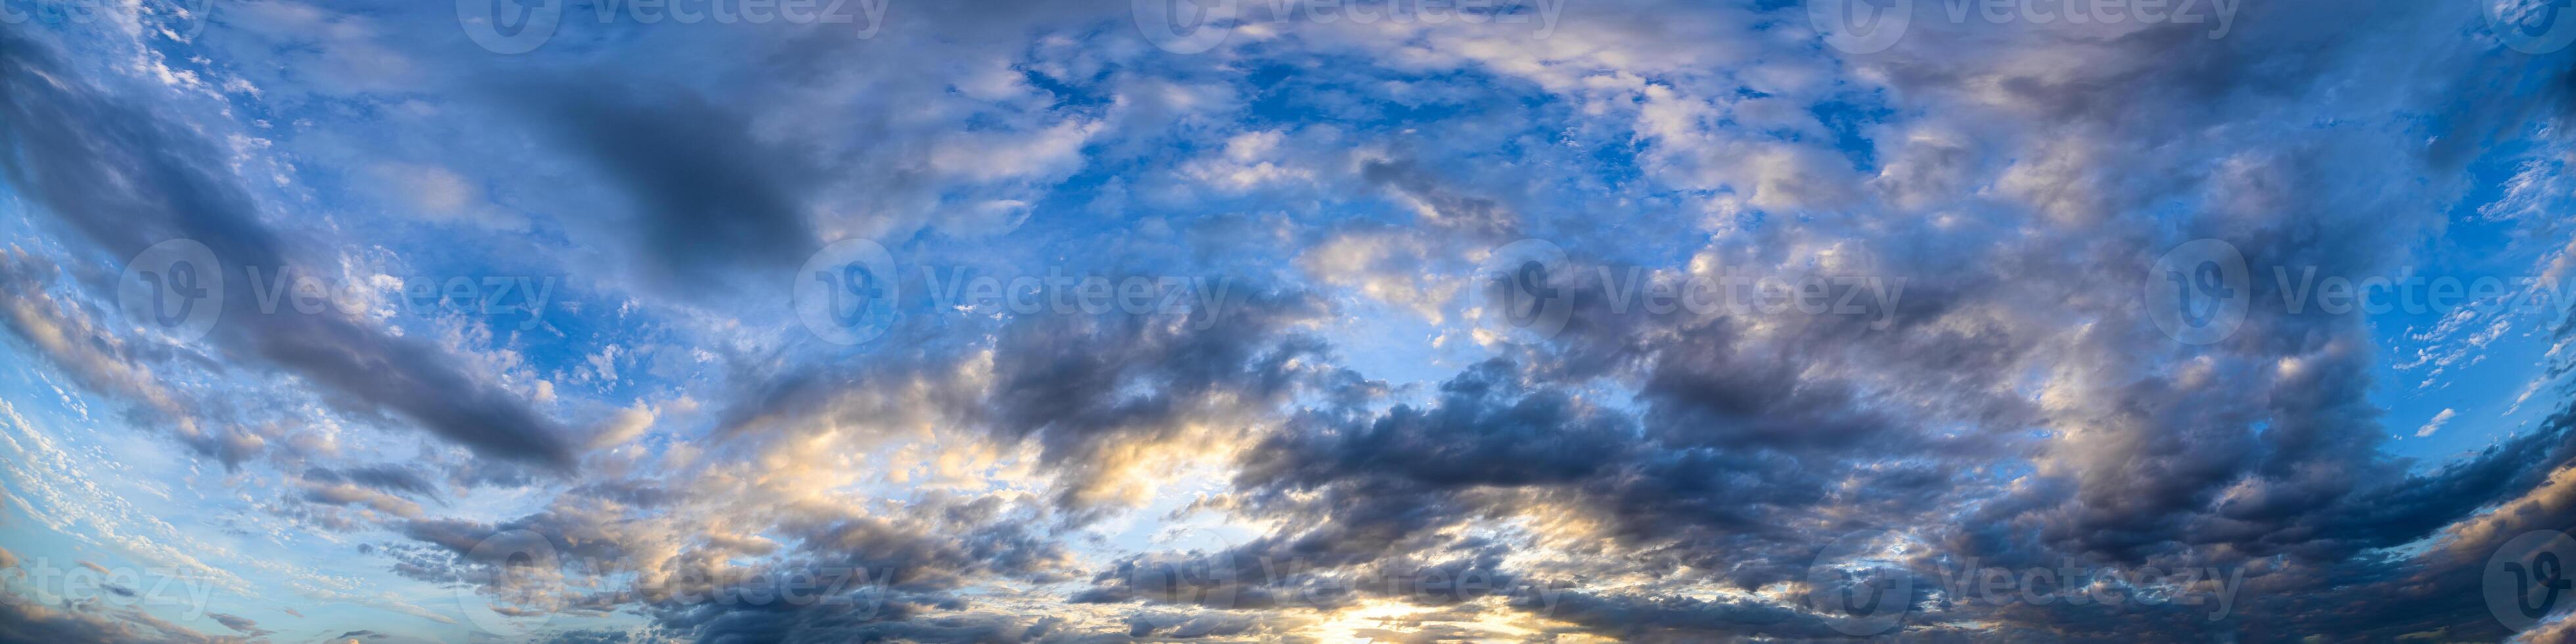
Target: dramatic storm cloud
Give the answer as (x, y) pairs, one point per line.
(1085, 321)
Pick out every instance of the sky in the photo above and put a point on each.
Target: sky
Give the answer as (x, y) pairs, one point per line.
(1221, 320)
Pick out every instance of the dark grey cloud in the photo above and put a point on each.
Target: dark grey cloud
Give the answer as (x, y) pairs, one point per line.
(2015, 408)
(387, 477)
(712, 204)
(238, 623)
(1488, 428)
(28, 622)
(2270, 462)
(1050, 373)
(840, 575)
(125, 178)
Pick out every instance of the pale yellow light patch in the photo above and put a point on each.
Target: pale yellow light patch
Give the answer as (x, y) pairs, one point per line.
(1134, 473)
(2491, 528)
(1372, 619)
(1375, 265)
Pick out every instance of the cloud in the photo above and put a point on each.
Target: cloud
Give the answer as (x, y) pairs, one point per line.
(26, 621)
(710, 200)
(2436, 423)
(240, 624)
(441, 195)
(1316, 457)
(146, 179)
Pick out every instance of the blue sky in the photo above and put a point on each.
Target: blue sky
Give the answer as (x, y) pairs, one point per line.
(1053, 321)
